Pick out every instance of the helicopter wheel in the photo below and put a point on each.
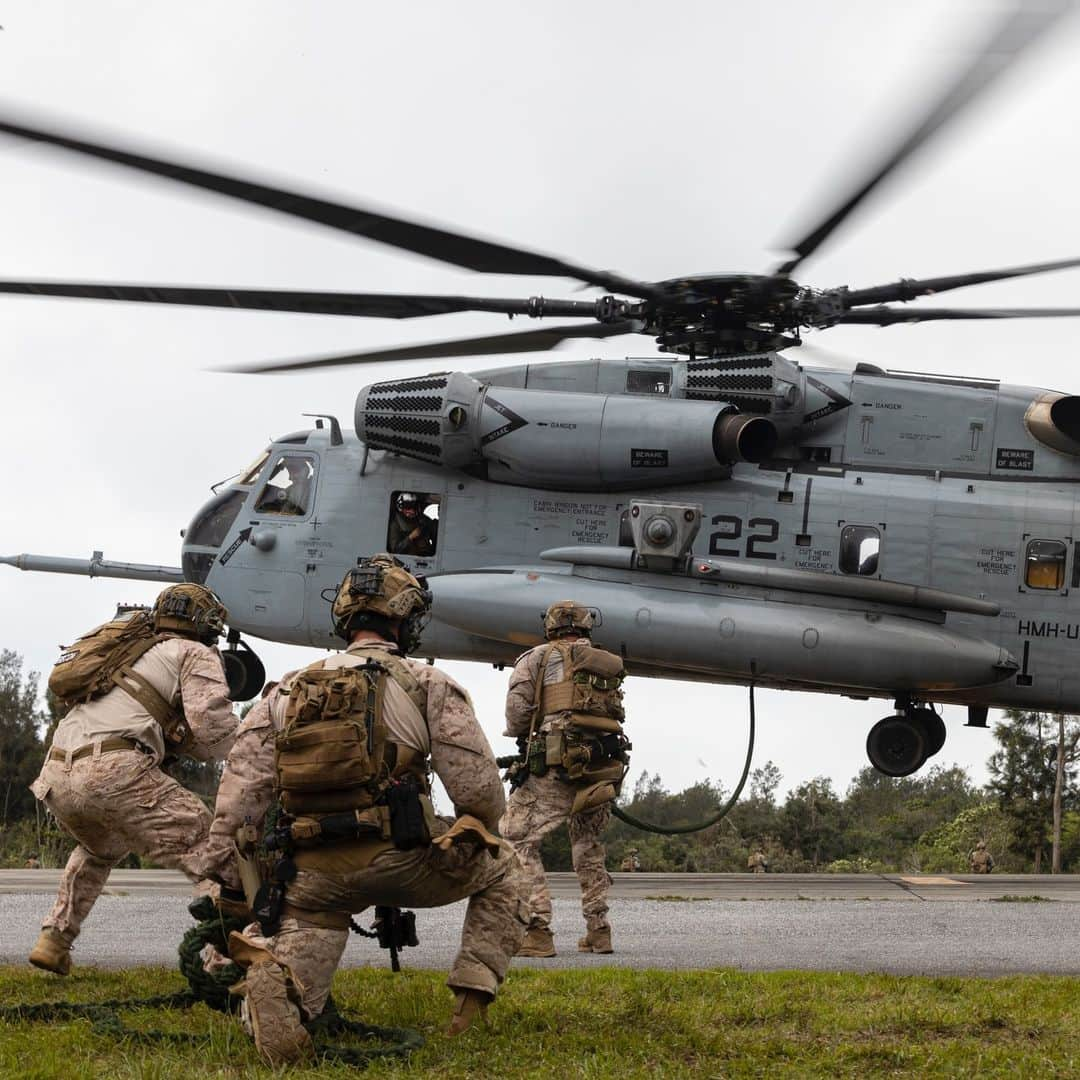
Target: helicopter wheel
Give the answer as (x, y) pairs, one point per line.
(896, 745)
(933, 728)
(244, 671)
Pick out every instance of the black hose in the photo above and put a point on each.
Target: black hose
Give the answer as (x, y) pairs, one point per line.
(722, 811)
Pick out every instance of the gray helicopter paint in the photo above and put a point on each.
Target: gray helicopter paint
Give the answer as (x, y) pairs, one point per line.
(953, 513)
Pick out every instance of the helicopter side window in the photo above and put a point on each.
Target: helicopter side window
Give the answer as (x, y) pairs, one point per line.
(655, 381)
(860, 546)
(288, 491)
(413, 528)
(1044, 564)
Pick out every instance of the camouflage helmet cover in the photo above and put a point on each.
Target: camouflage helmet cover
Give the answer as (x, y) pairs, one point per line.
(566, 617)
(381, 584)
(189, 609)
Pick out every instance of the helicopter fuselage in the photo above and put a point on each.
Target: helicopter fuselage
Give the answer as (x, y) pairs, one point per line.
(887, 477)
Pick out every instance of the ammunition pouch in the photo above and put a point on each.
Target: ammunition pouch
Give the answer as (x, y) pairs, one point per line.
(587, 751)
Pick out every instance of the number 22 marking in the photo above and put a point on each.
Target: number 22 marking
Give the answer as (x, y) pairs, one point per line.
(732, 530)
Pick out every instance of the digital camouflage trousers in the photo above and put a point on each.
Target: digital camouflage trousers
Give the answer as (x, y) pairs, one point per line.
(114, 804)
(539, 807)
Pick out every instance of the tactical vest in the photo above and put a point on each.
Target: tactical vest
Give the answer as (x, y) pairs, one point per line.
(333, 754)
(104, 659)
(588, 744)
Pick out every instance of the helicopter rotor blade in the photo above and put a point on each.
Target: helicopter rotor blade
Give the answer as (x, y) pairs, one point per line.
(910, 288)
(377, 305)
(886, 316)
(1025, 24)
(527, 341)
(445, 245)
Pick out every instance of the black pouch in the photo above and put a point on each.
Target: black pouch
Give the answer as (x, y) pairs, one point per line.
(408, 829)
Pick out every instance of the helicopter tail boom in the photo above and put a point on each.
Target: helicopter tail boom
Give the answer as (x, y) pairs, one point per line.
(95, 566)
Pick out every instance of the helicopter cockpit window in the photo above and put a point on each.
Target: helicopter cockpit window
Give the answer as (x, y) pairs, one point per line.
(414, 523)
(860, 546)
(288, 491)
(251, 473)
(1044, 564)
(650, 381)
(213, 521)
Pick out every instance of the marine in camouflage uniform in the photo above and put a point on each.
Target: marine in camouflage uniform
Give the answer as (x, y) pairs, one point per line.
(980, 860)
(542, 803)
(289, 974)
(102, 778)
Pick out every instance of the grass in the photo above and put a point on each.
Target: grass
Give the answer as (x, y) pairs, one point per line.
(1014, 898)
(603, 1023)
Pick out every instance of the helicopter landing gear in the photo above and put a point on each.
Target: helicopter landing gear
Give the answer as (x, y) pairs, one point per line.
(244, 671)
(899, 745)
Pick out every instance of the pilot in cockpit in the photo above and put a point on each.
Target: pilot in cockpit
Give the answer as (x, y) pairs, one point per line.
(288, 493)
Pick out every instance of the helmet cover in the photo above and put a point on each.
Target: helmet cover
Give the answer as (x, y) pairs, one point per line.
(383, 586)
(190, 609)
(565, 617)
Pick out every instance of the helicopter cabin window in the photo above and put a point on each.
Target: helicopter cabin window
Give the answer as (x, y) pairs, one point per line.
(289, 489)
(1044, 564)
(413, 528)
(648, 381)
(860, 546)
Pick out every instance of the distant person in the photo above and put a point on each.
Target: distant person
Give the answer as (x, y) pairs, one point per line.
(981, 861)
(631, 864)
(412, 532)
(758, 863)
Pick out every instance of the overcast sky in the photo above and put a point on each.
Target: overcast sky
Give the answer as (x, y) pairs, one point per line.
(653, 139)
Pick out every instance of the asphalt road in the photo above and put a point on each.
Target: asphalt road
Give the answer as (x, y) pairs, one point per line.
(899, 924)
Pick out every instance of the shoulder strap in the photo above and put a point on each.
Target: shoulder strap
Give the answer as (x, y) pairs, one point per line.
(172, 721)
(399, 671)
(541, 671)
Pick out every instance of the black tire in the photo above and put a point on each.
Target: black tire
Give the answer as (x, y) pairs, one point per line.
(933, 729)
(896, 746)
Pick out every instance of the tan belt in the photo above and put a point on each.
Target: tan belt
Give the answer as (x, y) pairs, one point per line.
(107, 747)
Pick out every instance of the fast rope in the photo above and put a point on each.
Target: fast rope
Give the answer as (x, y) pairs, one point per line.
(722, 811)
(212, 989)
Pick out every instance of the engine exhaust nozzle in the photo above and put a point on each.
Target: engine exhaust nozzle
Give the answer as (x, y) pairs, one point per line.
(739, 437)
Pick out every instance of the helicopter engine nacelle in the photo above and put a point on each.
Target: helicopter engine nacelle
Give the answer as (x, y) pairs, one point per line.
(553, 439)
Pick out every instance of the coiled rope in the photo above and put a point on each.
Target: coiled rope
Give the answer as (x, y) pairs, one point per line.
(212, 989)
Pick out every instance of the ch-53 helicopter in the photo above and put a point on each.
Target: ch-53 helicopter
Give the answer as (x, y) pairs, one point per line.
(729, 514)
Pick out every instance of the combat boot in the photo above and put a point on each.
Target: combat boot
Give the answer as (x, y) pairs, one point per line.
(597, 941)
(468, 1004)
(52, 952)
(539, 941)
(280, 1038)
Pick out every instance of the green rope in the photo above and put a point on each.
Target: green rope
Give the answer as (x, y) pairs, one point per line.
(212, 989)
(722, 811)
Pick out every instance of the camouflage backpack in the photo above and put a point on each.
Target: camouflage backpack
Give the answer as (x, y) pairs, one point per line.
(331, 755)
(102, 659)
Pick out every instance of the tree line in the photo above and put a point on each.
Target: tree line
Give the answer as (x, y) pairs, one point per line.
(1028, 813)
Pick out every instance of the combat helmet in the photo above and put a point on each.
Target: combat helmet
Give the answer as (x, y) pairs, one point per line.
(377, 590)
(565, 617)
(189, 609)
